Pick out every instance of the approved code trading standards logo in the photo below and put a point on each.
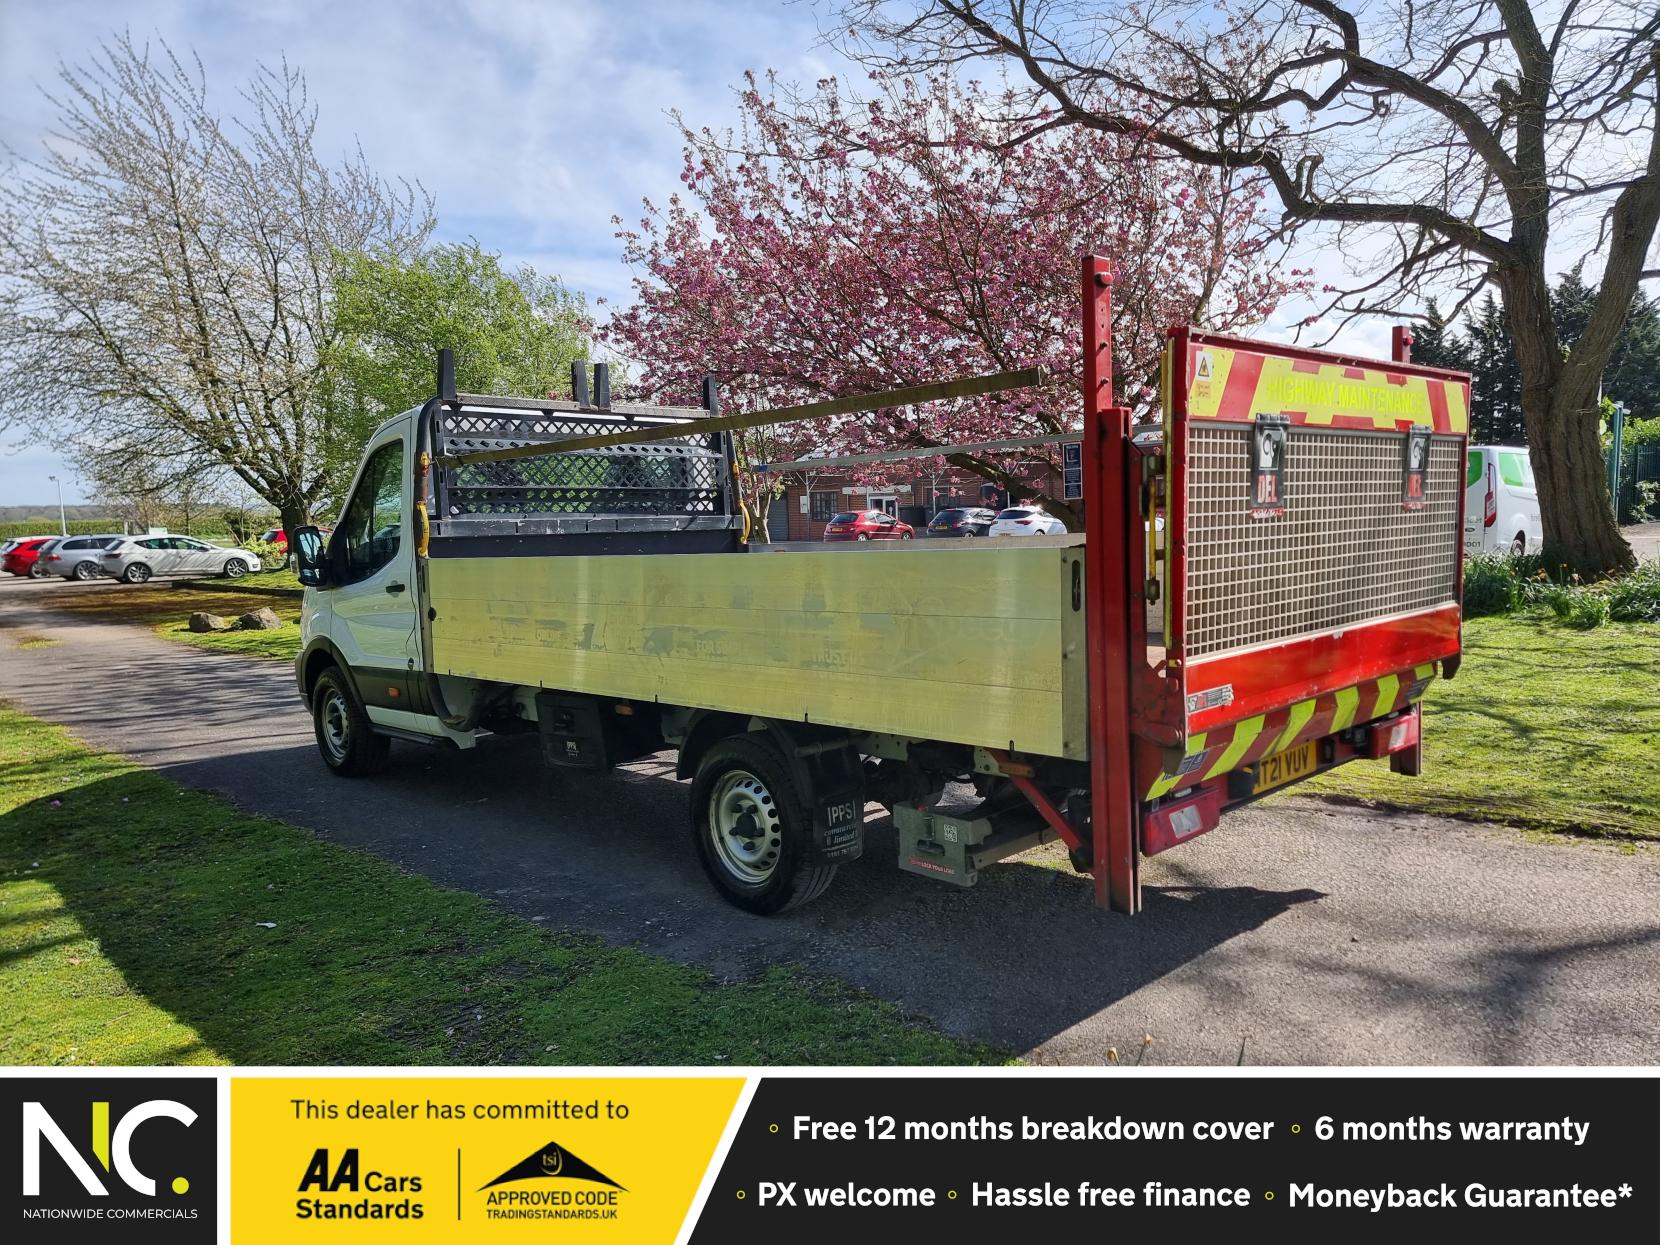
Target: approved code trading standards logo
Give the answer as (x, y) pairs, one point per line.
(559, 1200)
(127, 1159)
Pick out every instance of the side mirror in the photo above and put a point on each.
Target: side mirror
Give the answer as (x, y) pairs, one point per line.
(310, 556)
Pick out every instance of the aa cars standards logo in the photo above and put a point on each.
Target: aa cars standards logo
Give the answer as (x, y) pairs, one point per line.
(134, 1155)
(552, 1183)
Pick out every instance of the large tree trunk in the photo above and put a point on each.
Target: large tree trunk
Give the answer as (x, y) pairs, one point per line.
(1559, 411)
(1575, 509)
(293, 515)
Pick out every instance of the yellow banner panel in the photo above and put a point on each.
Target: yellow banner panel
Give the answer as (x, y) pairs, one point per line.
(470, 1158)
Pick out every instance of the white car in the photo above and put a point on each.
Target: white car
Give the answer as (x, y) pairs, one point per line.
(1026, 521)
(1501, 503)
(137, 558)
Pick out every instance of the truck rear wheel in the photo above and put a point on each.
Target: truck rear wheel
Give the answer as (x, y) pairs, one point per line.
(348, 743)
(753, 828)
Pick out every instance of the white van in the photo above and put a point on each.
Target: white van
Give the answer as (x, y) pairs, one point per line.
(1501, 505)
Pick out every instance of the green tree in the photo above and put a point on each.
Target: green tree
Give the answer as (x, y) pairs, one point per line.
(1435, 343)
(1495, 379)
(513, 332)
(1633, 372)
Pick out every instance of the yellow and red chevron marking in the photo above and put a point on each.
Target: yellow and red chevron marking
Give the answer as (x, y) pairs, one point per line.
(1215, 752)
(1237, 382)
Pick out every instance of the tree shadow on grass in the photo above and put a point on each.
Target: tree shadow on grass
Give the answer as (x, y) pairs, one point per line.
(366, 965)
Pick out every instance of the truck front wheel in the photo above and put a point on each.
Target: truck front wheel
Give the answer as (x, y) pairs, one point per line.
(753, 828)
(348, 743)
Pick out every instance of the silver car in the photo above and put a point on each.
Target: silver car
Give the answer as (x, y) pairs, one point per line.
(75, 557)
(133, 559)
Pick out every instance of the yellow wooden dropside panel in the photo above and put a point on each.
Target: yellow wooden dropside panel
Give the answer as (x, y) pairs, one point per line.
(962, 646)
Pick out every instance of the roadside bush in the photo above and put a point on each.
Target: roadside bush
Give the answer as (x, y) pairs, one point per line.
(1636, 598)
(49, 527)
(269, 555)
(1647, 505)
(1491, 585)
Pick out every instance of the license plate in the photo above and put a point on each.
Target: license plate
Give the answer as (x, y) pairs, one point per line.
(1284, 767)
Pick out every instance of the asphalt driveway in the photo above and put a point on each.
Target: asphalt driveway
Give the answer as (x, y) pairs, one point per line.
(1301, 933)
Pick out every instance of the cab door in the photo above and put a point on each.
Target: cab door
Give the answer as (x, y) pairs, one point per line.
(371, 563)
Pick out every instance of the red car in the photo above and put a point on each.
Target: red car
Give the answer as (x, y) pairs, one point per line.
(867, 525)
(20, 557)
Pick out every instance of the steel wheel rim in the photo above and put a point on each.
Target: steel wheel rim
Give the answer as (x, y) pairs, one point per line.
(233, 568)
(744, 828)
(337, 728)
(83, 572)
(139, 574)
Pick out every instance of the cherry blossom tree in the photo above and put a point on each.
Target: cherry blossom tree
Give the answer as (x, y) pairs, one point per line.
(829, 246)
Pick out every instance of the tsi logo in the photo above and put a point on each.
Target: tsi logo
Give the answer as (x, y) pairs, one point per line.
(38, 1125)
(138, 1155)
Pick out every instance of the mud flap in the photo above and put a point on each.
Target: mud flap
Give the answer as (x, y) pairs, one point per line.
(839, 825)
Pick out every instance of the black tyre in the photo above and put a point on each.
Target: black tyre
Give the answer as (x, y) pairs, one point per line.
(235, 568)
(348, 743)
(85, 571)
(1519, 545)
(137, 573)
(753, 828)
(36, 571)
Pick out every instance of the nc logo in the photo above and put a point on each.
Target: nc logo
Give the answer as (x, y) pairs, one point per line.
(107, 1148)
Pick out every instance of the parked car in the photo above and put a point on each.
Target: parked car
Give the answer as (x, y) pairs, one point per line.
(962, 521)
(22, 556)
(1026, 521)
(134, 559)
(75, 557)
(1501, 503)
(867, 525)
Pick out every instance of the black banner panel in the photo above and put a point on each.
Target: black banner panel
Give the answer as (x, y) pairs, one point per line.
(95, 1158)
(1293, 1159)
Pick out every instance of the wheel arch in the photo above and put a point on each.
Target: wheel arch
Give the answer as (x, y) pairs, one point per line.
(321, 655)
(705, 729)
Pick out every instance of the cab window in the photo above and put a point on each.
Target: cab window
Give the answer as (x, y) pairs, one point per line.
(368, 535)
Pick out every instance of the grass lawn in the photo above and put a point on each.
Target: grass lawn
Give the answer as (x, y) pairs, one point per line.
(281, 645)
(165, 606)
(1544, 727)
(276, 579)
(161, 601)
(144, 923)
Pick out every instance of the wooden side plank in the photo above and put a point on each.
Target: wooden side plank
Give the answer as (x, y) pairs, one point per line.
(989, 652)
(987, 581)
(968, 647)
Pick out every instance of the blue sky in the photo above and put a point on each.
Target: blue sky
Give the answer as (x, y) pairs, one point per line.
(532, 122)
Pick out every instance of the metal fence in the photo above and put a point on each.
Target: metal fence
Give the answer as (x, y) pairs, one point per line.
(1639, 464)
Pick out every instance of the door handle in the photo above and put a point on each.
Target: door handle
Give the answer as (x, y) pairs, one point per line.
(394, 588)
